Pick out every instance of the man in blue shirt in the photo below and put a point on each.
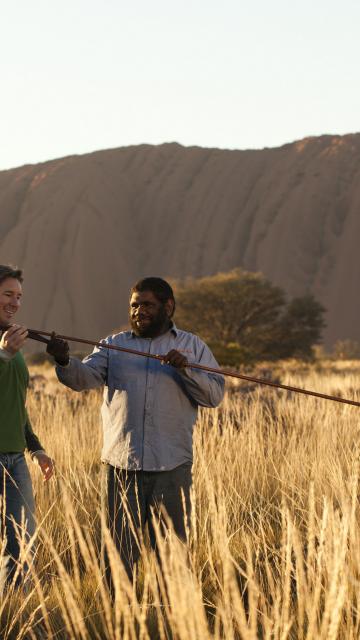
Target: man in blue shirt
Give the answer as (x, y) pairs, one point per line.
(148, 413)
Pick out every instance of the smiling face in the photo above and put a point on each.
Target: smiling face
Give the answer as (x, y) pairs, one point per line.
(148, 316)
(10, 300)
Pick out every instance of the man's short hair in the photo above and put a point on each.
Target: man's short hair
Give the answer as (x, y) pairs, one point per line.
(8, 271)
(159, 287)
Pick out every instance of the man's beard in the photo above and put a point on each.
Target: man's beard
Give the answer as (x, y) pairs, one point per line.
(157, 326)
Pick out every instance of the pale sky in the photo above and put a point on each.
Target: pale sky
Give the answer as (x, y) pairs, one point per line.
(83, 75)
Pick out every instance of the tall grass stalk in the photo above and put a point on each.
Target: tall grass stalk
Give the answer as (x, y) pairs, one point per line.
(273, 541)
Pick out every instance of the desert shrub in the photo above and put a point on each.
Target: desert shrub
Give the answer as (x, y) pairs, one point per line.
(245, 318)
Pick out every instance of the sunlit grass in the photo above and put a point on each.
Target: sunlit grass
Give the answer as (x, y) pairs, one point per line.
(273, 549)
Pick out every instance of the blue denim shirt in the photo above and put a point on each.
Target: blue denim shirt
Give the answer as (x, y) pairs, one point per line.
(149, 409)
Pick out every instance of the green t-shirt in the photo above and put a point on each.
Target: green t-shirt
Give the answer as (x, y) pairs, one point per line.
(14, 380)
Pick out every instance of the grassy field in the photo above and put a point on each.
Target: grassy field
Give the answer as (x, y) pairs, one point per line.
(273, 548)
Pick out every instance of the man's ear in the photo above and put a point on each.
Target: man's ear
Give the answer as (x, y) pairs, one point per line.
(169, 307)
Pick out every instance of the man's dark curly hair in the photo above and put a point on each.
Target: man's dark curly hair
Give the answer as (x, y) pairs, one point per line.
(159, 287)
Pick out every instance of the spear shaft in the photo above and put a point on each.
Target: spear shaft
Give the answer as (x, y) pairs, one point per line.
(35, 334)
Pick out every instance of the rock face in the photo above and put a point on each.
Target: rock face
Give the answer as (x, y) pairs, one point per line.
(84, 228)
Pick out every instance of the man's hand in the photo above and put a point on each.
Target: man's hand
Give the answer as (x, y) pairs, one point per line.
(13, 338)
(45, 463)
(176, 359)
(59, 349)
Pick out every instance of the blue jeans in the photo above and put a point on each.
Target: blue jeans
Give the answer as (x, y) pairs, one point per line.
(17, 516)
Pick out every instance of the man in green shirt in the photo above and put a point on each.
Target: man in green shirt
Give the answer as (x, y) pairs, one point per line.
(16, 496)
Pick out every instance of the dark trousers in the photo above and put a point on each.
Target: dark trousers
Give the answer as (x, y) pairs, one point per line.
(133, 499)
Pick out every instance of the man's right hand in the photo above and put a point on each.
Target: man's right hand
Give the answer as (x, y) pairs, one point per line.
(13, 338)
(59, 349)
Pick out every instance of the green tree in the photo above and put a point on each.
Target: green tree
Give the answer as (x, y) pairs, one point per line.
(245, 318)
(300, 327)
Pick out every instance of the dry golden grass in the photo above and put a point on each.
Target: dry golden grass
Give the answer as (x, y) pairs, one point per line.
(273, 548)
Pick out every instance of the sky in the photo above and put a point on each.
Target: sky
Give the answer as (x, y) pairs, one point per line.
(82, 75)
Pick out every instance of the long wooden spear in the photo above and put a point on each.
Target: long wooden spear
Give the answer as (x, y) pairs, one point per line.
(35, 334)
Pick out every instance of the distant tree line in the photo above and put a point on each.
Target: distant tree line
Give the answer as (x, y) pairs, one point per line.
(245, 318)
(346, 350)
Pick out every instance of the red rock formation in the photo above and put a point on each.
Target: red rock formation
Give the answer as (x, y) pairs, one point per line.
(86, 227)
